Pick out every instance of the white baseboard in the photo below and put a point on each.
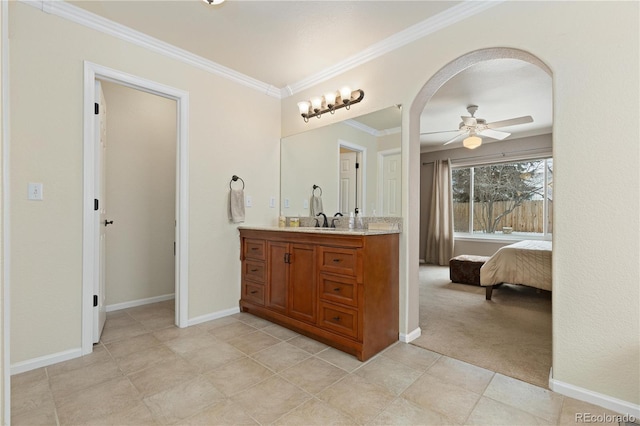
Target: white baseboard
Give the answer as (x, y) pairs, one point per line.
(406, 338)
(213, 316)
(44, 361)
(139, 302)
(605, 401)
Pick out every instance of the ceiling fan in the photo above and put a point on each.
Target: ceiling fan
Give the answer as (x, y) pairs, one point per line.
(475, 127)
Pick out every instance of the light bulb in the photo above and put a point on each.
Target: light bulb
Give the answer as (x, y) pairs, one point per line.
(304, 106)
(472, 142)
(316, 104)
(330, 99)
(345, 94)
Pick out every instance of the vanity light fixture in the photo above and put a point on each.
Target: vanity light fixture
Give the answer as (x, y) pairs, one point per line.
(472, 142)
(330, 102)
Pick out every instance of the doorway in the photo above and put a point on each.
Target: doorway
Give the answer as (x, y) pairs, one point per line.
(91, 253)
(139, 172)
(352, 168)
(421, 100)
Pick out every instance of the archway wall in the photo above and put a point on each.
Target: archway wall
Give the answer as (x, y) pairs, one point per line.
(592, 51)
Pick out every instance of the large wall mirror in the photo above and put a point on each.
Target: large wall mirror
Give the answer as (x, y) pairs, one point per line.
(356, 164)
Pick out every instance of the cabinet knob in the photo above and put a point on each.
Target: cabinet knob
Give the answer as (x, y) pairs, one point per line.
(254, 248)
(254, 291)
(254, 270)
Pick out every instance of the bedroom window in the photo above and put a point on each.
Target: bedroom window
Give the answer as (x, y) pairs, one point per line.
(504, 199)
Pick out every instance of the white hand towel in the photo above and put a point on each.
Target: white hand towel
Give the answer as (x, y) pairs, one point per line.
(236, 205)
(315, 205)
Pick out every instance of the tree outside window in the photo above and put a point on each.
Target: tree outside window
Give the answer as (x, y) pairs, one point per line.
(503, 198)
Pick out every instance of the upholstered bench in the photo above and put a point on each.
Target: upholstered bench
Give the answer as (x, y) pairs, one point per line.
(465, 269)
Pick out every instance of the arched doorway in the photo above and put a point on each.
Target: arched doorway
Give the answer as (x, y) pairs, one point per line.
(435, 83)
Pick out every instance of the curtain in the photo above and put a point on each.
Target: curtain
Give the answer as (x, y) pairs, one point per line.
(440, 225)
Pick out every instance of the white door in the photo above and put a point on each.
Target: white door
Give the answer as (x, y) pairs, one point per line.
(391, 184)
(99, 309)
(347, 182)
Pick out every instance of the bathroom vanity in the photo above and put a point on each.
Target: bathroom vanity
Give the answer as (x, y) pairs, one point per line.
(337, 286)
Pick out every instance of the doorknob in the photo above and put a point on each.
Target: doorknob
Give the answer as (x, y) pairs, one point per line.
(108, 222)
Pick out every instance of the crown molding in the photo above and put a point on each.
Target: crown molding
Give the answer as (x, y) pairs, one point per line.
(370, 130)
(422, 29)
(80, 16)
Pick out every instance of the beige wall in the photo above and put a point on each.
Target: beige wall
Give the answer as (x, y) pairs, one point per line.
(592, 49)
(511, 148)
(47, 55)
(141, 194)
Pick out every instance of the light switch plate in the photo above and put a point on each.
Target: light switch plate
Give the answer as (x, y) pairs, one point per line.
(272, 202)
(248, 201)
(286, 203)
(305, 204)
(35, 191)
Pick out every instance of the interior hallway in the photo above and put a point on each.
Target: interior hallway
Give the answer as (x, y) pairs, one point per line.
(245, 370)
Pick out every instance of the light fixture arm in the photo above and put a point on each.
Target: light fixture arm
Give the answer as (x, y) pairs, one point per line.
(356, 96)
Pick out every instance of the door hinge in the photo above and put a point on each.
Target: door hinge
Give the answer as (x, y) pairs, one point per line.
(96, 108)
(357, 165)
(174, 248)
(95, 204)
(95, 300)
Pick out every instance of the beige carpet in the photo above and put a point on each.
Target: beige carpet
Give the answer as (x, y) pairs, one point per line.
(511, 334)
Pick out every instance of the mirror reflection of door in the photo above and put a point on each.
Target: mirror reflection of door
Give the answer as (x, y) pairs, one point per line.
(350, 181)
(391, 178)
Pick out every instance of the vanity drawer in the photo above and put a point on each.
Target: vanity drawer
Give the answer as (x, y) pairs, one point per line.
(339, 260)
(253, 270)
(254, 249)
(253, 293)
(339, 319)
(339, 289)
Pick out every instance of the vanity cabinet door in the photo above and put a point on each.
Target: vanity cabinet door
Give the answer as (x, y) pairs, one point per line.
(277, 276)
(302, 283)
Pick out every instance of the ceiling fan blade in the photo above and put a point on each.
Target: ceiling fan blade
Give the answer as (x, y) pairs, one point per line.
(469, 121)
(495, 134)
(443, 131)
(510, 122)
(460, 133)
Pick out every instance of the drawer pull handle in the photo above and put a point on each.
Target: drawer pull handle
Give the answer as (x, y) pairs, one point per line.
(254, 291)
(254, 248)
(254, 270)
(337, 260)
(336, 318)
(337, 289)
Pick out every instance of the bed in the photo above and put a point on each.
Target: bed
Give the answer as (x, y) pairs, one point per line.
(526, 263)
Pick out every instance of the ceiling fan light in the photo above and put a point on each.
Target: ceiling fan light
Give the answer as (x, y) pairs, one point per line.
(472, 142)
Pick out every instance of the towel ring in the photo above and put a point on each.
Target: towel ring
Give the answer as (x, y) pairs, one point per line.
(314, 190)
(235, 178)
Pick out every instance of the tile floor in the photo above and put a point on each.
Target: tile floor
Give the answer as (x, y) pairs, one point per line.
(245, 370)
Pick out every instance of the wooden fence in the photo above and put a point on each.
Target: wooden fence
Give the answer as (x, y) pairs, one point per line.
(528, 217)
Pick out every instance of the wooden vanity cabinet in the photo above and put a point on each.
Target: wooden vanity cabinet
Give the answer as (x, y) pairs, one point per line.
(341, 289)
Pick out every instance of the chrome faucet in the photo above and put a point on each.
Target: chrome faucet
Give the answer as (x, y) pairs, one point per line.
(325, 224)
(335, 217)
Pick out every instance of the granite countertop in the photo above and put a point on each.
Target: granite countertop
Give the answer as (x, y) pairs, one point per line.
(328, 231)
